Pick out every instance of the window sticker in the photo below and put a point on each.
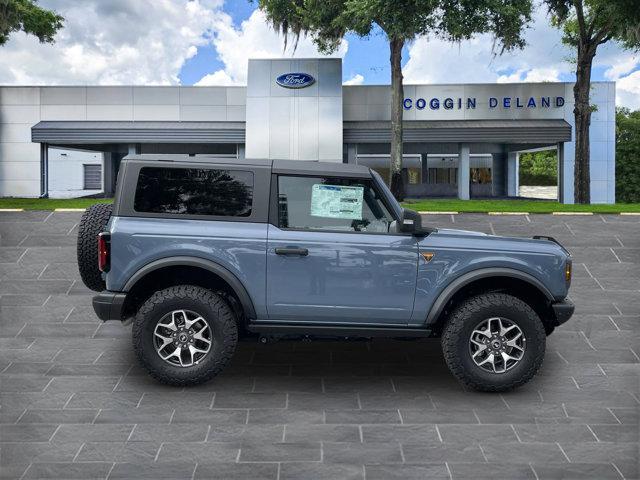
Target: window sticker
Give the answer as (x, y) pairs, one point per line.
(335, 201)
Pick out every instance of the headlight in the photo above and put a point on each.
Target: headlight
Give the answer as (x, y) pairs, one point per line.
(567, 272)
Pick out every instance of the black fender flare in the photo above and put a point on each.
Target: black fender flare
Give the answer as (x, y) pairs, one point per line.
(185, 261)
(453, 287)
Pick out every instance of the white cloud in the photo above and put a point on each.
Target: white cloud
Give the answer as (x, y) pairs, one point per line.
(253, 39)
(433, 60)
(114, 42)
(628, 91)
(532, 75)
(544, 59)
(357, 79)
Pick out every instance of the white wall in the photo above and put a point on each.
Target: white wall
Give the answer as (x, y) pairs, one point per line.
(23, 107)
(66, 172)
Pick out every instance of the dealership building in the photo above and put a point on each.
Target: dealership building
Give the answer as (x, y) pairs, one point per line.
(460, 140)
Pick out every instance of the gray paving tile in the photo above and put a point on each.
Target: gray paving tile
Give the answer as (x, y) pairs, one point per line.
(363, 416)
(282, 416)
(58, 416)
(92, 433)
(157, 470)
(326, 433)
(84, 471)
(554, 433)
(23, 453)
(515, 452)
(435, 451)
(281, 452)
(135, 415)
(320, 471)
(494, 471)
(399, 433)
(241, 433)
(168, 433)
(359, 453)
(476, 433)
(407, 472)
(184, 451)
(230, 471)
(616, 433)
(120, 452)
(575, 471)
(28, 433)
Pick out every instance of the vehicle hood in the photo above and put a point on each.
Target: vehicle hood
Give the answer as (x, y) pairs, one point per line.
(467, 239)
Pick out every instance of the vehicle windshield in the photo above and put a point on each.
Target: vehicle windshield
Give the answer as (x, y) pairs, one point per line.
(393, 203)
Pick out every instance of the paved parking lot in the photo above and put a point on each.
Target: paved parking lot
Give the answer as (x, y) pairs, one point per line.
(74, 403)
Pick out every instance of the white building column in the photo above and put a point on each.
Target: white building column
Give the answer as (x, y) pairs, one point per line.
(463, 171)
(513, 167)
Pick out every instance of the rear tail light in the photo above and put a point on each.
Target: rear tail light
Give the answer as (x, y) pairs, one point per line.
(104, 250)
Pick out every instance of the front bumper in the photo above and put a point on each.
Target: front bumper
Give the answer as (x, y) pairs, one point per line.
(563, 311)
(108, 305)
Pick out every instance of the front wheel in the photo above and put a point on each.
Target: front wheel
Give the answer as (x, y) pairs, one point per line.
(494, 342)
(184, 335)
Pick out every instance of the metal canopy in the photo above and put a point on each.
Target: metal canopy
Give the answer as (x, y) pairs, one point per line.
(137, 132)
(440, 131)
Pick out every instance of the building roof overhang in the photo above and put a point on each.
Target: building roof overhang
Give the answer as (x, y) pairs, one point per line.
(477, 131)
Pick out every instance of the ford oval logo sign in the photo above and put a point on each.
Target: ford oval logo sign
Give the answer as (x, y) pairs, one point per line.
(295, 80)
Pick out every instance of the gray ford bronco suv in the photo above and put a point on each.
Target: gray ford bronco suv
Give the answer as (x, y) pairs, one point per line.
(201, 251)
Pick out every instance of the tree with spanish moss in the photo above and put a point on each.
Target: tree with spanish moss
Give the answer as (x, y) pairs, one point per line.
(587, 24)
(328, 21)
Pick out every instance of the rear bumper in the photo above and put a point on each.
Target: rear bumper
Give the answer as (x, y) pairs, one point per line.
(563, 311)
(108, 305)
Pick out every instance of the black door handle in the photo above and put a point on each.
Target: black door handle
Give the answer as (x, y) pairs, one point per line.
(303, 252)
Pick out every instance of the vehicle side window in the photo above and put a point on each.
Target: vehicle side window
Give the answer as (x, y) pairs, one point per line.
(194, 191)
(331, 204)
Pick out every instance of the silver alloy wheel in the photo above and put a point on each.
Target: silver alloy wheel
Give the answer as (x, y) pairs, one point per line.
(497, 345)
(182, 338)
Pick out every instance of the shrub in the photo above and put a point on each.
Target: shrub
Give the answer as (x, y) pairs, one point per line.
(539, 168)
(627, 156)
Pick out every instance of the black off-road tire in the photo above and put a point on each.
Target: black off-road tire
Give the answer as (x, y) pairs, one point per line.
(464, 319)
(94, 220)
(211, 307)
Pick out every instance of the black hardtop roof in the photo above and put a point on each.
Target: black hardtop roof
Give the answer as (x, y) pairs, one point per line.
(289, 167)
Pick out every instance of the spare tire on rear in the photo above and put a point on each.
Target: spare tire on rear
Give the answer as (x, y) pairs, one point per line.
(94, 220)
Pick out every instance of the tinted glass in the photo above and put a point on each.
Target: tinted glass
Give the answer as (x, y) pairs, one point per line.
(194, 191)
(316, 203)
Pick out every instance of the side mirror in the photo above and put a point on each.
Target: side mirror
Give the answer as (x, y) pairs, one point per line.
(411, 222)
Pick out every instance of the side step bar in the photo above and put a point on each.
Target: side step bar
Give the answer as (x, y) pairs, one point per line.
(337, 330)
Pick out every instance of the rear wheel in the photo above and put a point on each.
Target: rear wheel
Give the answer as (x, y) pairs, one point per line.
(494, 342)
(94, 220)
(184, 335)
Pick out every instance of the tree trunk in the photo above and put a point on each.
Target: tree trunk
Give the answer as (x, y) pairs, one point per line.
(397, 97)
(582, 114)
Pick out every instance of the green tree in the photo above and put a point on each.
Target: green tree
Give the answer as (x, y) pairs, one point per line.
(27, 16)
(327, 21)
(539, 168)
(627, 156)
(587, 24)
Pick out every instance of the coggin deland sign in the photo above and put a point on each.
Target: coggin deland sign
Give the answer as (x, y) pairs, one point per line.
(469, 103)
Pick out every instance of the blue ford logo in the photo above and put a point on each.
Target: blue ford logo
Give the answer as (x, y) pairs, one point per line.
(295, 80)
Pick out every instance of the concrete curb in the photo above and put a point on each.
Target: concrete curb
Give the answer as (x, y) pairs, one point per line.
(571, 213)
(507, 213)
(11, 209)
(69, 209)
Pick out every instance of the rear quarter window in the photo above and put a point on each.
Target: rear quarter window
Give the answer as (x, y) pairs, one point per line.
(194, 191)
